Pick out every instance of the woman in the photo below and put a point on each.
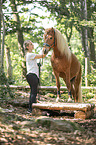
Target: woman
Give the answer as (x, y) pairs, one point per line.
(32, 71)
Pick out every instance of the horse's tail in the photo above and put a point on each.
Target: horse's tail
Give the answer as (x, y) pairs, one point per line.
(79, 92)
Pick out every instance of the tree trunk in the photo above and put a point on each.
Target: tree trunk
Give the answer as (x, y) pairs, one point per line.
(84, 33)
(3, 79)
(9, 66)
(2, 75)
(69, 34)
(0, 37)
(91, 45)
(20, 36)
(85, 42)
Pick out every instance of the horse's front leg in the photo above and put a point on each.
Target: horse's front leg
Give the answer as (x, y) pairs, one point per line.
(58, 86)
(68, 84)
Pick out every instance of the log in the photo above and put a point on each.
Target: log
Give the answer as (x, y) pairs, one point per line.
(84, 115)
(64, 106)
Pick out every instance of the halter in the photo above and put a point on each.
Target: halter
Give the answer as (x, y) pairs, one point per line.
(46, 44)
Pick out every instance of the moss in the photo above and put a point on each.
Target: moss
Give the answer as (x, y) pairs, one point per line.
(61, 125)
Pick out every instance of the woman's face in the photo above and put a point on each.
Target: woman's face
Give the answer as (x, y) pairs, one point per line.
(30, 47)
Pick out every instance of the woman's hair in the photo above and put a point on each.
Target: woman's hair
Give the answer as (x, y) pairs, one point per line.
(26, 43)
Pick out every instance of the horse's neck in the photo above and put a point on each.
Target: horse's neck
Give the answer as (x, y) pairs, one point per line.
(56, 52)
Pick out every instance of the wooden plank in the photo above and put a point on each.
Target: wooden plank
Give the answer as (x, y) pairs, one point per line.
(64, 106)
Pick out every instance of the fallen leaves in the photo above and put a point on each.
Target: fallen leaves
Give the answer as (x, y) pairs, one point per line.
(18, 127)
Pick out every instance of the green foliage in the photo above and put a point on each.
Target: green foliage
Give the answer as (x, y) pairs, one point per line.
(88, 94)
(32, 29)
(11, 42)
(92, 75)
(46, 68)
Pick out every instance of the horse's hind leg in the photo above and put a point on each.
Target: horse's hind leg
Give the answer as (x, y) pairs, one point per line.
(78, 96)
(58, 89)
(68, 84)
(73, 88)
(73, 91)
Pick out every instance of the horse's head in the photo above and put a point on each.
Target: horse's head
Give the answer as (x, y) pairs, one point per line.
(49, 39)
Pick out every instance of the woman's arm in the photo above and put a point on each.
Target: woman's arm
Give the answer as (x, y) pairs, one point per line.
(40, 56)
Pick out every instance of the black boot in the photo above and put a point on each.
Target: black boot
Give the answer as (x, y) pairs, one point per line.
(32, 99)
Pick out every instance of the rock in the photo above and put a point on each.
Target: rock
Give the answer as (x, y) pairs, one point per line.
(60, 125)
(16, 127)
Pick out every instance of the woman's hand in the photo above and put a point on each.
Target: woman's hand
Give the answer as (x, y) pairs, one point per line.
(44, 55)
(40, 56)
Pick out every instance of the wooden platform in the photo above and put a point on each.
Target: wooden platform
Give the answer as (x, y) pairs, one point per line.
(81, 110)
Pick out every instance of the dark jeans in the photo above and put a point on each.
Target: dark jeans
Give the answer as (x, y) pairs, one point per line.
(33, 81)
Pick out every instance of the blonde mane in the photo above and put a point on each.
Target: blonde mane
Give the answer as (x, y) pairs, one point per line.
(62, 44)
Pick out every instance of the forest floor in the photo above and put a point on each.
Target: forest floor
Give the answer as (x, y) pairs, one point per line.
(17, 127)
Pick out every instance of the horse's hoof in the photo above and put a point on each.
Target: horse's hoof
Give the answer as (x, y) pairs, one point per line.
(70, 100)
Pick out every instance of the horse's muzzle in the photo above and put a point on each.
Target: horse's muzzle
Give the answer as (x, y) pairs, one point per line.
(45, 50)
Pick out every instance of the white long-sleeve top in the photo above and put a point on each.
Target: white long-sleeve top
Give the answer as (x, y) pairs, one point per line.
(31, 64)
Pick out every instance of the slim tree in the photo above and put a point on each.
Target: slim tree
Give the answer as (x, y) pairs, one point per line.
(2, 76)
(19, 34)
(0, 37)
(84, 31)
(3, 79)
(9, 66)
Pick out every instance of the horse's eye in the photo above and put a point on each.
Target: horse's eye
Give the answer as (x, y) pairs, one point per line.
(50, 37)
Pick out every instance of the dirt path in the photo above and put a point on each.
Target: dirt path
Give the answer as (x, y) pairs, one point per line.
(17, 127)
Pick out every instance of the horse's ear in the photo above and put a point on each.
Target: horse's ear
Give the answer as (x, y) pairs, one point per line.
(52, 29)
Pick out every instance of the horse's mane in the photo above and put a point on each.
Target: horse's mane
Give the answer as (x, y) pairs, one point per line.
(62, 44)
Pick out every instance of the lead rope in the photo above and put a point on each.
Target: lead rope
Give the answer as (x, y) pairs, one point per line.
(42, 60)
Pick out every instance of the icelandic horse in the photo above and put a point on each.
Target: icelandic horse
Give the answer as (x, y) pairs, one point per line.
(64, 63)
